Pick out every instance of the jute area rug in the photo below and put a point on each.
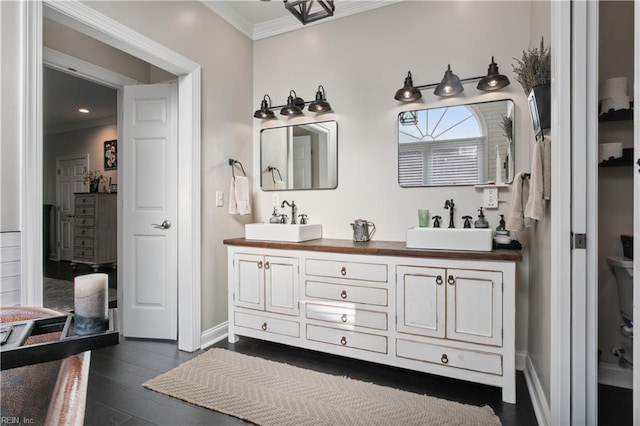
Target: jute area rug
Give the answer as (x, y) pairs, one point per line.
(271, 393)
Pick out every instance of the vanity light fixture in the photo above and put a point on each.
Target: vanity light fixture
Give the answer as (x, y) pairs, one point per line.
(264, 112)
(294, 105)
(302, 9)
(451, 85)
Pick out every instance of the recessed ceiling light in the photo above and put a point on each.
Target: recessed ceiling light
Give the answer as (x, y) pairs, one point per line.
(83, 110)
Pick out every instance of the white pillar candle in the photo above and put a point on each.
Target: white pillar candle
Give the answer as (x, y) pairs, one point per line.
(91, 303)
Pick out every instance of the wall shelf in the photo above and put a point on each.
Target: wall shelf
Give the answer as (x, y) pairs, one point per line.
(619, 115)
(625, 160)
(492, 185)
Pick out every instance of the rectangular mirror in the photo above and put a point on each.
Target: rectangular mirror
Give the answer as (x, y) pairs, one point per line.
(299, 157)
(456, 145)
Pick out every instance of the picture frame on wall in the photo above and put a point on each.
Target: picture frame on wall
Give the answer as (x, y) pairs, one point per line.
(111, 154)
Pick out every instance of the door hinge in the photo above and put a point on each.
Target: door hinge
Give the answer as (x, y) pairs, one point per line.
(578, 241)
(58, 171)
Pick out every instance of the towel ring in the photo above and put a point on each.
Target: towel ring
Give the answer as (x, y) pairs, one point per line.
(271, 169)
(231, 163)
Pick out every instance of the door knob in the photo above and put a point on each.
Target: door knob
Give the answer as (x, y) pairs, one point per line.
(165, 225)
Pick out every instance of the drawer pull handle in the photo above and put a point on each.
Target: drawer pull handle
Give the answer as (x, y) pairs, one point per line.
(343, 341)
(343, 318)
(343, 294)
(451, 280)
(439, 280)
(266, 265)
(343, 271)
(444, 359)
(84, 210)
(264, 326)
(260, 265)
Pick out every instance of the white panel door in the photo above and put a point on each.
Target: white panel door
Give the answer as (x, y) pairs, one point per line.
(281, 285)
(149, 211)
(302, 162)
(70, 179)
(474, 306)
(248, 281)
(421, 301)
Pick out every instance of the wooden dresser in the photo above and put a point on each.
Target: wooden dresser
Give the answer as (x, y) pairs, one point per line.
(96, 229)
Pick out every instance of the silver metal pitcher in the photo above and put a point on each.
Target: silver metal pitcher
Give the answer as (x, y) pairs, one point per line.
(361, 232)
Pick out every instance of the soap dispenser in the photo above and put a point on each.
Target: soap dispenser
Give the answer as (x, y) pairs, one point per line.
(274, 217)
(481, 222)
(501, 226)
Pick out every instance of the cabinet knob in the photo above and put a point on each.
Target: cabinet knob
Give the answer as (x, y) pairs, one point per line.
(439, 280)
(343, 271)
(260, 265)
(264, 326)
(343, 294)
(444, 359)
(343, 341)
(266, 265)
(451, 280)
(343, 318)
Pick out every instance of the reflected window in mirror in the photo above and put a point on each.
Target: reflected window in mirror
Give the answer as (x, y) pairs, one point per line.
(455, 145)
(299, 157)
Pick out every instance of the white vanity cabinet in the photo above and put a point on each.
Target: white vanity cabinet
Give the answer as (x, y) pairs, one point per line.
(445, 313)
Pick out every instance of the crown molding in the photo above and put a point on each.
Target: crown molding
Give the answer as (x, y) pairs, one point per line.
(288, 23)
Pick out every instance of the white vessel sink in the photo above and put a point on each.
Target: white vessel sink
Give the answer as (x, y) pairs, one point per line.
(475, 239)
(282, 232)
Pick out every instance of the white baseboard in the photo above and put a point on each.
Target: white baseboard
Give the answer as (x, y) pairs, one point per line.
(213, 335)
(615, 375)
(538, 398)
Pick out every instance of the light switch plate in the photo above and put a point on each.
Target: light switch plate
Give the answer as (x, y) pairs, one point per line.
(219, 198)
(275, 200)
(491, 198)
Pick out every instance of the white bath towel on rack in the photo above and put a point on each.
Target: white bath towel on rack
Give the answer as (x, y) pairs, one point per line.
(279, 184)
(516, 221)
(239, 196)
(540, 186)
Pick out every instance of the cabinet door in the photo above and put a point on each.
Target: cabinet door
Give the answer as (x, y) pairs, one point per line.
(281, 282)
(248, 281)
(421, 301)
(474, 306)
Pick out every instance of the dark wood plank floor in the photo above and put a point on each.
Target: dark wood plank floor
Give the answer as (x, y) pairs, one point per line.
(116, 397)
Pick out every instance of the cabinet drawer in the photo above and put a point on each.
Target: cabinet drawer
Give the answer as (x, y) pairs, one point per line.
(268, 325)
(85, 200)
(346, 293)
(83, 242)
(349, 270)
(349, 316)
(84, 221)
(85, 211)
(349, 339)
(80, 253)
(84, 231)
(459, 358)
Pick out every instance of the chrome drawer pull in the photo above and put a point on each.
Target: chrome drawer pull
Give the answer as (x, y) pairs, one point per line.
(451, 280)
(343, 294)
(439, 280)
(264, 326)
(444, 359)
(343, 271)
(343, 341)
(266, 265)
(260, 265)
(343, 318)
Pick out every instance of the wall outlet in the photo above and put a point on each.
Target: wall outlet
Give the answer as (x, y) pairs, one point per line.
(275, 200)
(491, 198)
(219, 198)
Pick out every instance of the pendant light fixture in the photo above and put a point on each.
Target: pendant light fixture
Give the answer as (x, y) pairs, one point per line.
(320, 104)
(408, 93)
(294, 105)
(493, 80)
(303, 9)
(264, 112)
(450, 84)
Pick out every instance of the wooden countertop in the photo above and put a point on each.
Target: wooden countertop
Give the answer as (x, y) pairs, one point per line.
(379, 248)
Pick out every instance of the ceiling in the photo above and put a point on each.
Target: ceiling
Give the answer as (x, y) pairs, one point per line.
(64, 94)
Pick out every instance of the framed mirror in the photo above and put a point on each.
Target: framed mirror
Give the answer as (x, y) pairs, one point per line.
(299, 157)
(457, 145)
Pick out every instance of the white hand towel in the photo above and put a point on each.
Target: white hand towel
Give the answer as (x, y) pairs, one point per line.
(546, 170)
(519, 195)
(279, 184)
(239, 196)
(535, 204)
